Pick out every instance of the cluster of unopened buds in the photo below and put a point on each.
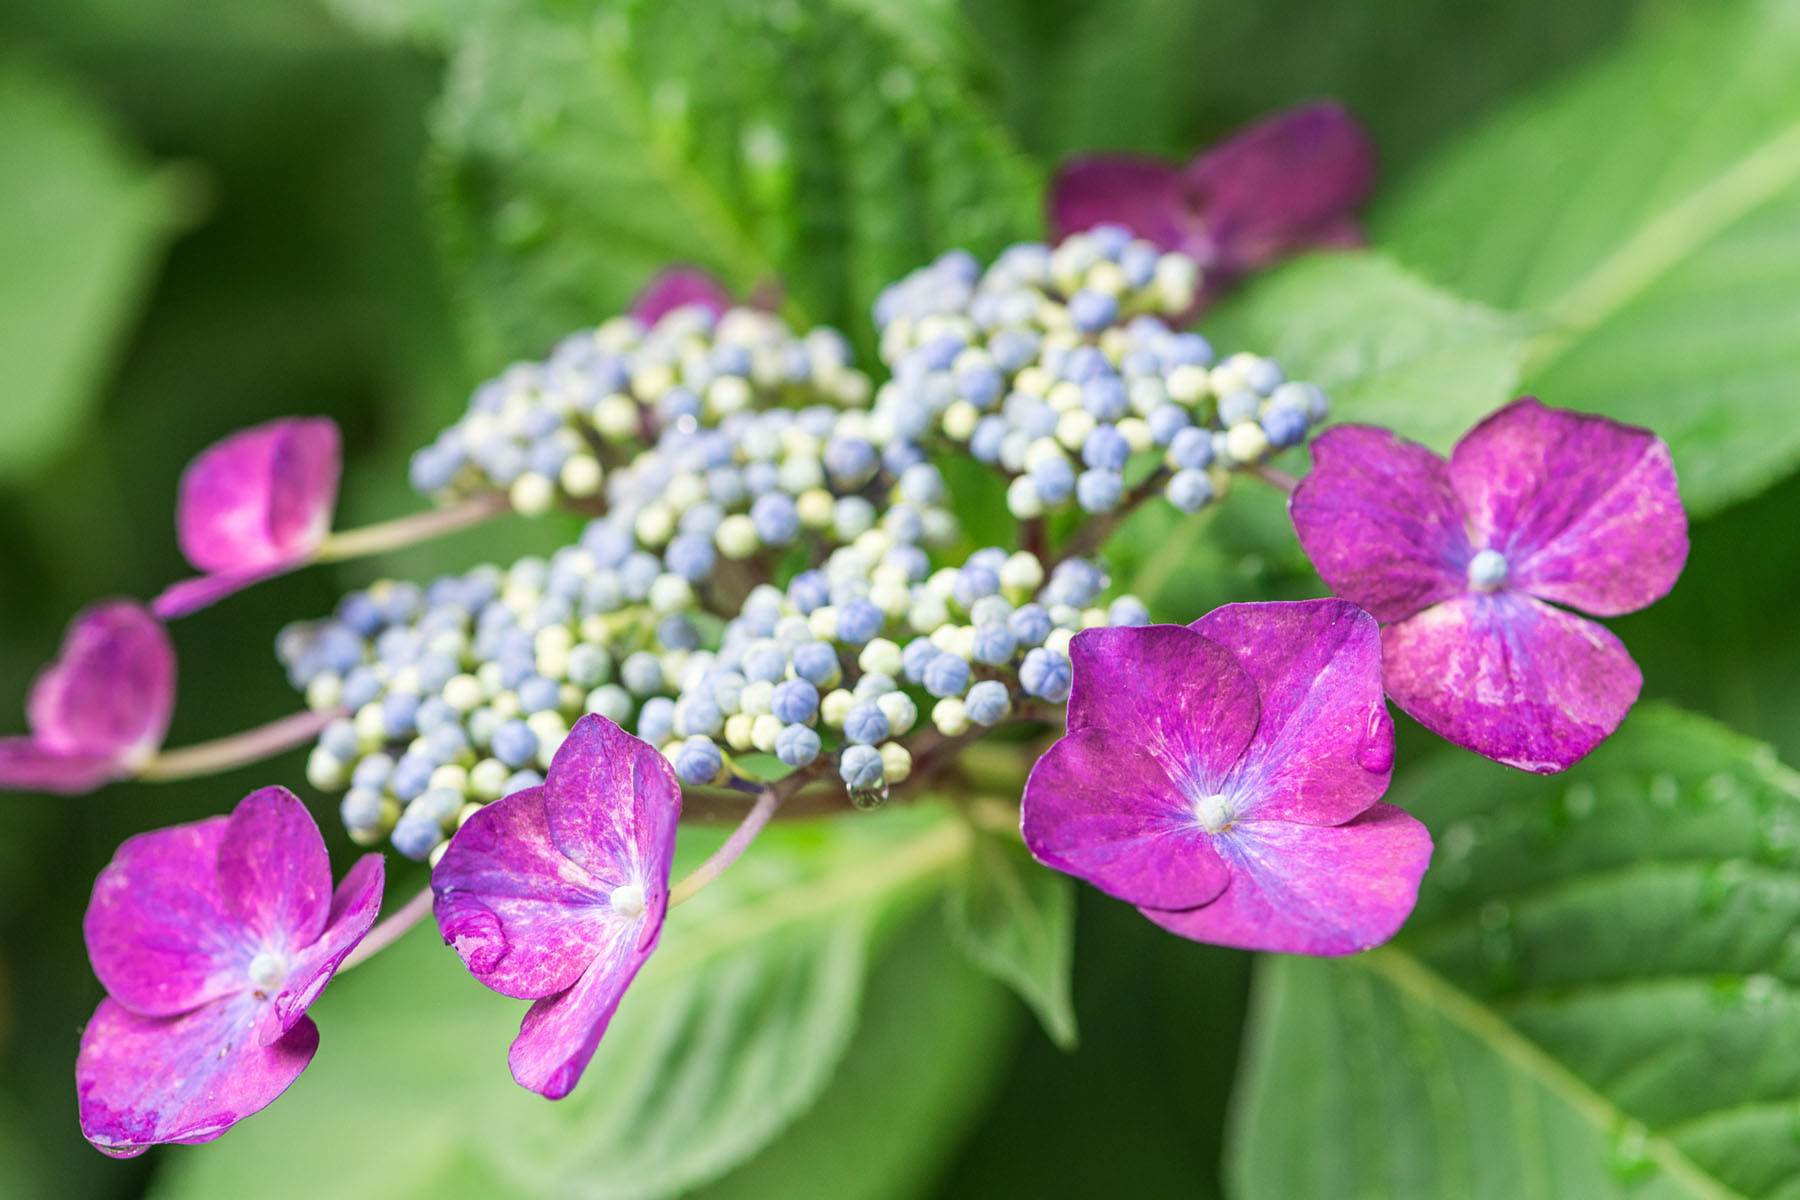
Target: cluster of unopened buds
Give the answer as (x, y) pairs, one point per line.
(772, 605)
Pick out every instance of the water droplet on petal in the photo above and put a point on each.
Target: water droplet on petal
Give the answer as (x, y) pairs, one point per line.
(1376, 754)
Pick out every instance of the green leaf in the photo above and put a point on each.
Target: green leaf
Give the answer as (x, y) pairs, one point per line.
(927, 1053)
(1389, 348)
(578, 152)
(1650, 209)
(1595, 996)
(81, 224)
(1015, 920)
(732, 1032)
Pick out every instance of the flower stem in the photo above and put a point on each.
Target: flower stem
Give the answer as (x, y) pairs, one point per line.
(410, 530)
(237, 750)
(725, 855)
(391, 929)
(1275, 477)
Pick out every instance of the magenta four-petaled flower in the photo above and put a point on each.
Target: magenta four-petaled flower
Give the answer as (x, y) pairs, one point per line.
(212, 940)
(1286, 183)
(254, 505)
(1464, 560)
(101, 709)
(1225, 777)
(557, 894)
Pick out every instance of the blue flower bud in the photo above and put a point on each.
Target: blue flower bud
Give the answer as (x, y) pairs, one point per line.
(858, 621)
(808, 590)
(988, 702)
(1284, 426)
(816, 662)
(984, 443)
(994, 643)
(1098, 490)
(655, 722)
(538, 694)
(515, 744)
(1106, 448)
(796, 745)
(1054, 479)
(866, 724)
(372, 772)
(765, 660)
(1185, 350)
(1190, 491)
(849, 461)
(1030, 625)
(638, 573)
(339, 739)
(1046, 675)
(1127, 610)
(860, 767)
(775, 517)
(698, 761)
(974, 581)
(588, 665)
(518, 781)
(946, 675)
(1237, 405)
(1084, 363)
(691, 556)
(1090, 311)
(412, 775)
(873, 686)
(1191, 449)
(446, 743)
(696, 715)
(1105, 397)
(416, 837)
(794, 701)
(361, 809)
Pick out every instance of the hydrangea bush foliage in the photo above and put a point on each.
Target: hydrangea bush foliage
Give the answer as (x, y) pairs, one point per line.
(772, 613)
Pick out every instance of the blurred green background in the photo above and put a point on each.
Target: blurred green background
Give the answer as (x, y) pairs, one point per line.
(214, 213)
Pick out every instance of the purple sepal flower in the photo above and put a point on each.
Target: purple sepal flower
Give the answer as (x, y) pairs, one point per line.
(212, 940)
(557, 894)
(680, 287)
(1286, 183)
(1458, 559)
(100, 709)
(1225, 777)
(252, 506)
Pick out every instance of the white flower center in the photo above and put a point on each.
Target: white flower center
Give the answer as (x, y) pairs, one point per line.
(267, 970)
(1487, 570)
(628, 901)
(1215, 812)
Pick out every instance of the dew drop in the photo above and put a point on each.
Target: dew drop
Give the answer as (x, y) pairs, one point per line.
(867, 798)
(1376, 754)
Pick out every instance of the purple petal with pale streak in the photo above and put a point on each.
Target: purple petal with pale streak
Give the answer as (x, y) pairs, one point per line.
(354, 907)
(1099, 807)
(1585, 510)
(1281, 184)
(560, 1033)
(144, 1080)
(1324, 749)
(1511, 678)
(1312, 889)
(274, 872)
(157, 930)
(1180, 698)
(203, 591)
(612, 802)
(260, 497)
(26, 766)
(526, 920)
(680, 287)
(111, 690)
(1377, 516)
(1134, 192)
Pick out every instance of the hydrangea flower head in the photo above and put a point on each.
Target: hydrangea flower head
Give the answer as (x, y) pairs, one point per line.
(1226, 777)
(212, 940)
(100, 709)
(1465, 561)
(253, 505)
(1278, 186)
(557, 894)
